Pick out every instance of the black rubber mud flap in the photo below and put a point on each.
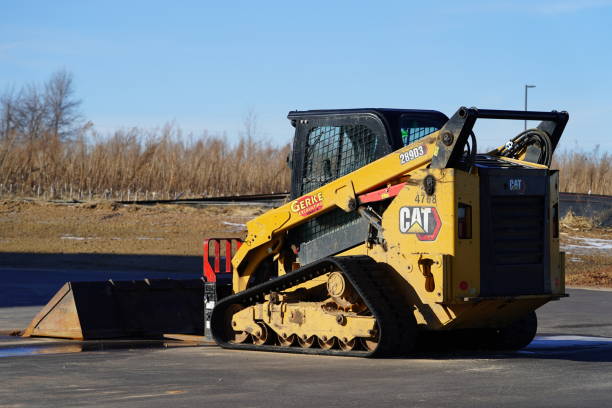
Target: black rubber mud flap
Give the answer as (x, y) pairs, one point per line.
(373, 283)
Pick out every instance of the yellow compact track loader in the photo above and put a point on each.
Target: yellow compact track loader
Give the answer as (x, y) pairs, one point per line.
(397, 226)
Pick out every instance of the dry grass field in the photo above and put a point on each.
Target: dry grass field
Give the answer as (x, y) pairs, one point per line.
(48, 150)
(164, 164)
(108, 228)
(584, 172)
(133, 165)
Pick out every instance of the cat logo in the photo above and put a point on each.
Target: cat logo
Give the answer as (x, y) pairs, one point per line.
(517, 185)
(422, 221)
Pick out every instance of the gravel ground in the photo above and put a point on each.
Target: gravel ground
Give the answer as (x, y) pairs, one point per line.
(108, 228)
(95, 234)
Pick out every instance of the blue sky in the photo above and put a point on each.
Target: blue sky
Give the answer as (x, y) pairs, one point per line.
(205, 64)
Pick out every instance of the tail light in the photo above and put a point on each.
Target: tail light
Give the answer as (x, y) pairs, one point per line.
(464, 221)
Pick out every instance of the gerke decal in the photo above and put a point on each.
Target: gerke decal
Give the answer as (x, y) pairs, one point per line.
(307, 205)
(423, 221)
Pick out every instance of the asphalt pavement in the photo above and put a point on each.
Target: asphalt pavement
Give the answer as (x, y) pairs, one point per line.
(569, 364)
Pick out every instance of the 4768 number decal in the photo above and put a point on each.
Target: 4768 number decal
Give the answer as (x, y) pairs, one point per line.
(412, 154)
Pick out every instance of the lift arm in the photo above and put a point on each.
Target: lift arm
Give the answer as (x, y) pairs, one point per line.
(266, 233)
(441, 149)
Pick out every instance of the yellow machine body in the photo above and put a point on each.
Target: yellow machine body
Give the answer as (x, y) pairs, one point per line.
(425, 245)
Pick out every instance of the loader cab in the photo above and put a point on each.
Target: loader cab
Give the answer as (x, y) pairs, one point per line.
(329, 144)
(332, 143)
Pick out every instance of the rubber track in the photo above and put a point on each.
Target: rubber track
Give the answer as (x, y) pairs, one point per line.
(371, 280)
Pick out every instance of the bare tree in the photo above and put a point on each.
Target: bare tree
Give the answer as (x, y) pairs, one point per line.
(8, 123)
(42, 112)
(250, 123)
(251, 132)
(31, 114)
(8, 114)
(62, 108)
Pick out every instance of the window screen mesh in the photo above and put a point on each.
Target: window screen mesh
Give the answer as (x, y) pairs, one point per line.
(325, 223)
(334, 151)
(412, 134)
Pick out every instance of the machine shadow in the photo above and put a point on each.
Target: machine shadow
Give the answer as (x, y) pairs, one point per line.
(31, 279)
(549, 347)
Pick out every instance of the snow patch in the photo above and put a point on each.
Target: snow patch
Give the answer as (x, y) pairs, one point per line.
(599, 243)
(585, 245)
(75, 238)
(234, 224)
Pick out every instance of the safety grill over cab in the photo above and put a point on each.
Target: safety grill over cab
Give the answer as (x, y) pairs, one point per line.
(329, 144)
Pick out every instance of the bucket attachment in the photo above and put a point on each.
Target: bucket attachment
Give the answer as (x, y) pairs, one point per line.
(113, 309)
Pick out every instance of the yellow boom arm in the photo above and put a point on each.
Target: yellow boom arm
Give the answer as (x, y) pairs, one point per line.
(265, 233)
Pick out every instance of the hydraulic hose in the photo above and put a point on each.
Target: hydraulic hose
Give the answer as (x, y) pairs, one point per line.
(516, 146)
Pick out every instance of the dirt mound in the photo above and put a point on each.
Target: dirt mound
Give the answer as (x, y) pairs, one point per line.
(575, 223)
(106, 227)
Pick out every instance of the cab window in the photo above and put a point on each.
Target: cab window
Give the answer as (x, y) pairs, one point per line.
(413, 129)
(334, 151)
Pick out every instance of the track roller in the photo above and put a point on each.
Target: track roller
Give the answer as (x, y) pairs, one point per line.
(346, 344)
(286, 340)
(362, 294)
(306, 342)
(327, 343)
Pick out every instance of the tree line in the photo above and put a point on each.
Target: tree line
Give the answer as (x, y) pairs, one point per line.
(41, 112)
(49, 150)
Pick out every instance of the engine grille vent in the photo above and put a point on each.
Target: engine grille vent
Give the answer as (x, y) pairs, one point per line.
(518, 231)
(514, 241)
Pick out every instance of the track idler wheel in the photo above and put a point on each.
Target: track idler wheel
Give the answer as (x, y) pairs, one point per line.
(240, 337)
(370, 343)
(235, 336)
(262, 336)
(342, 292)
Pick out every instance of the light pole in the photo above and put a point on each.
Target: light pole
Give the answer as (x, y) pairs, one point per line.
(526, 88)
